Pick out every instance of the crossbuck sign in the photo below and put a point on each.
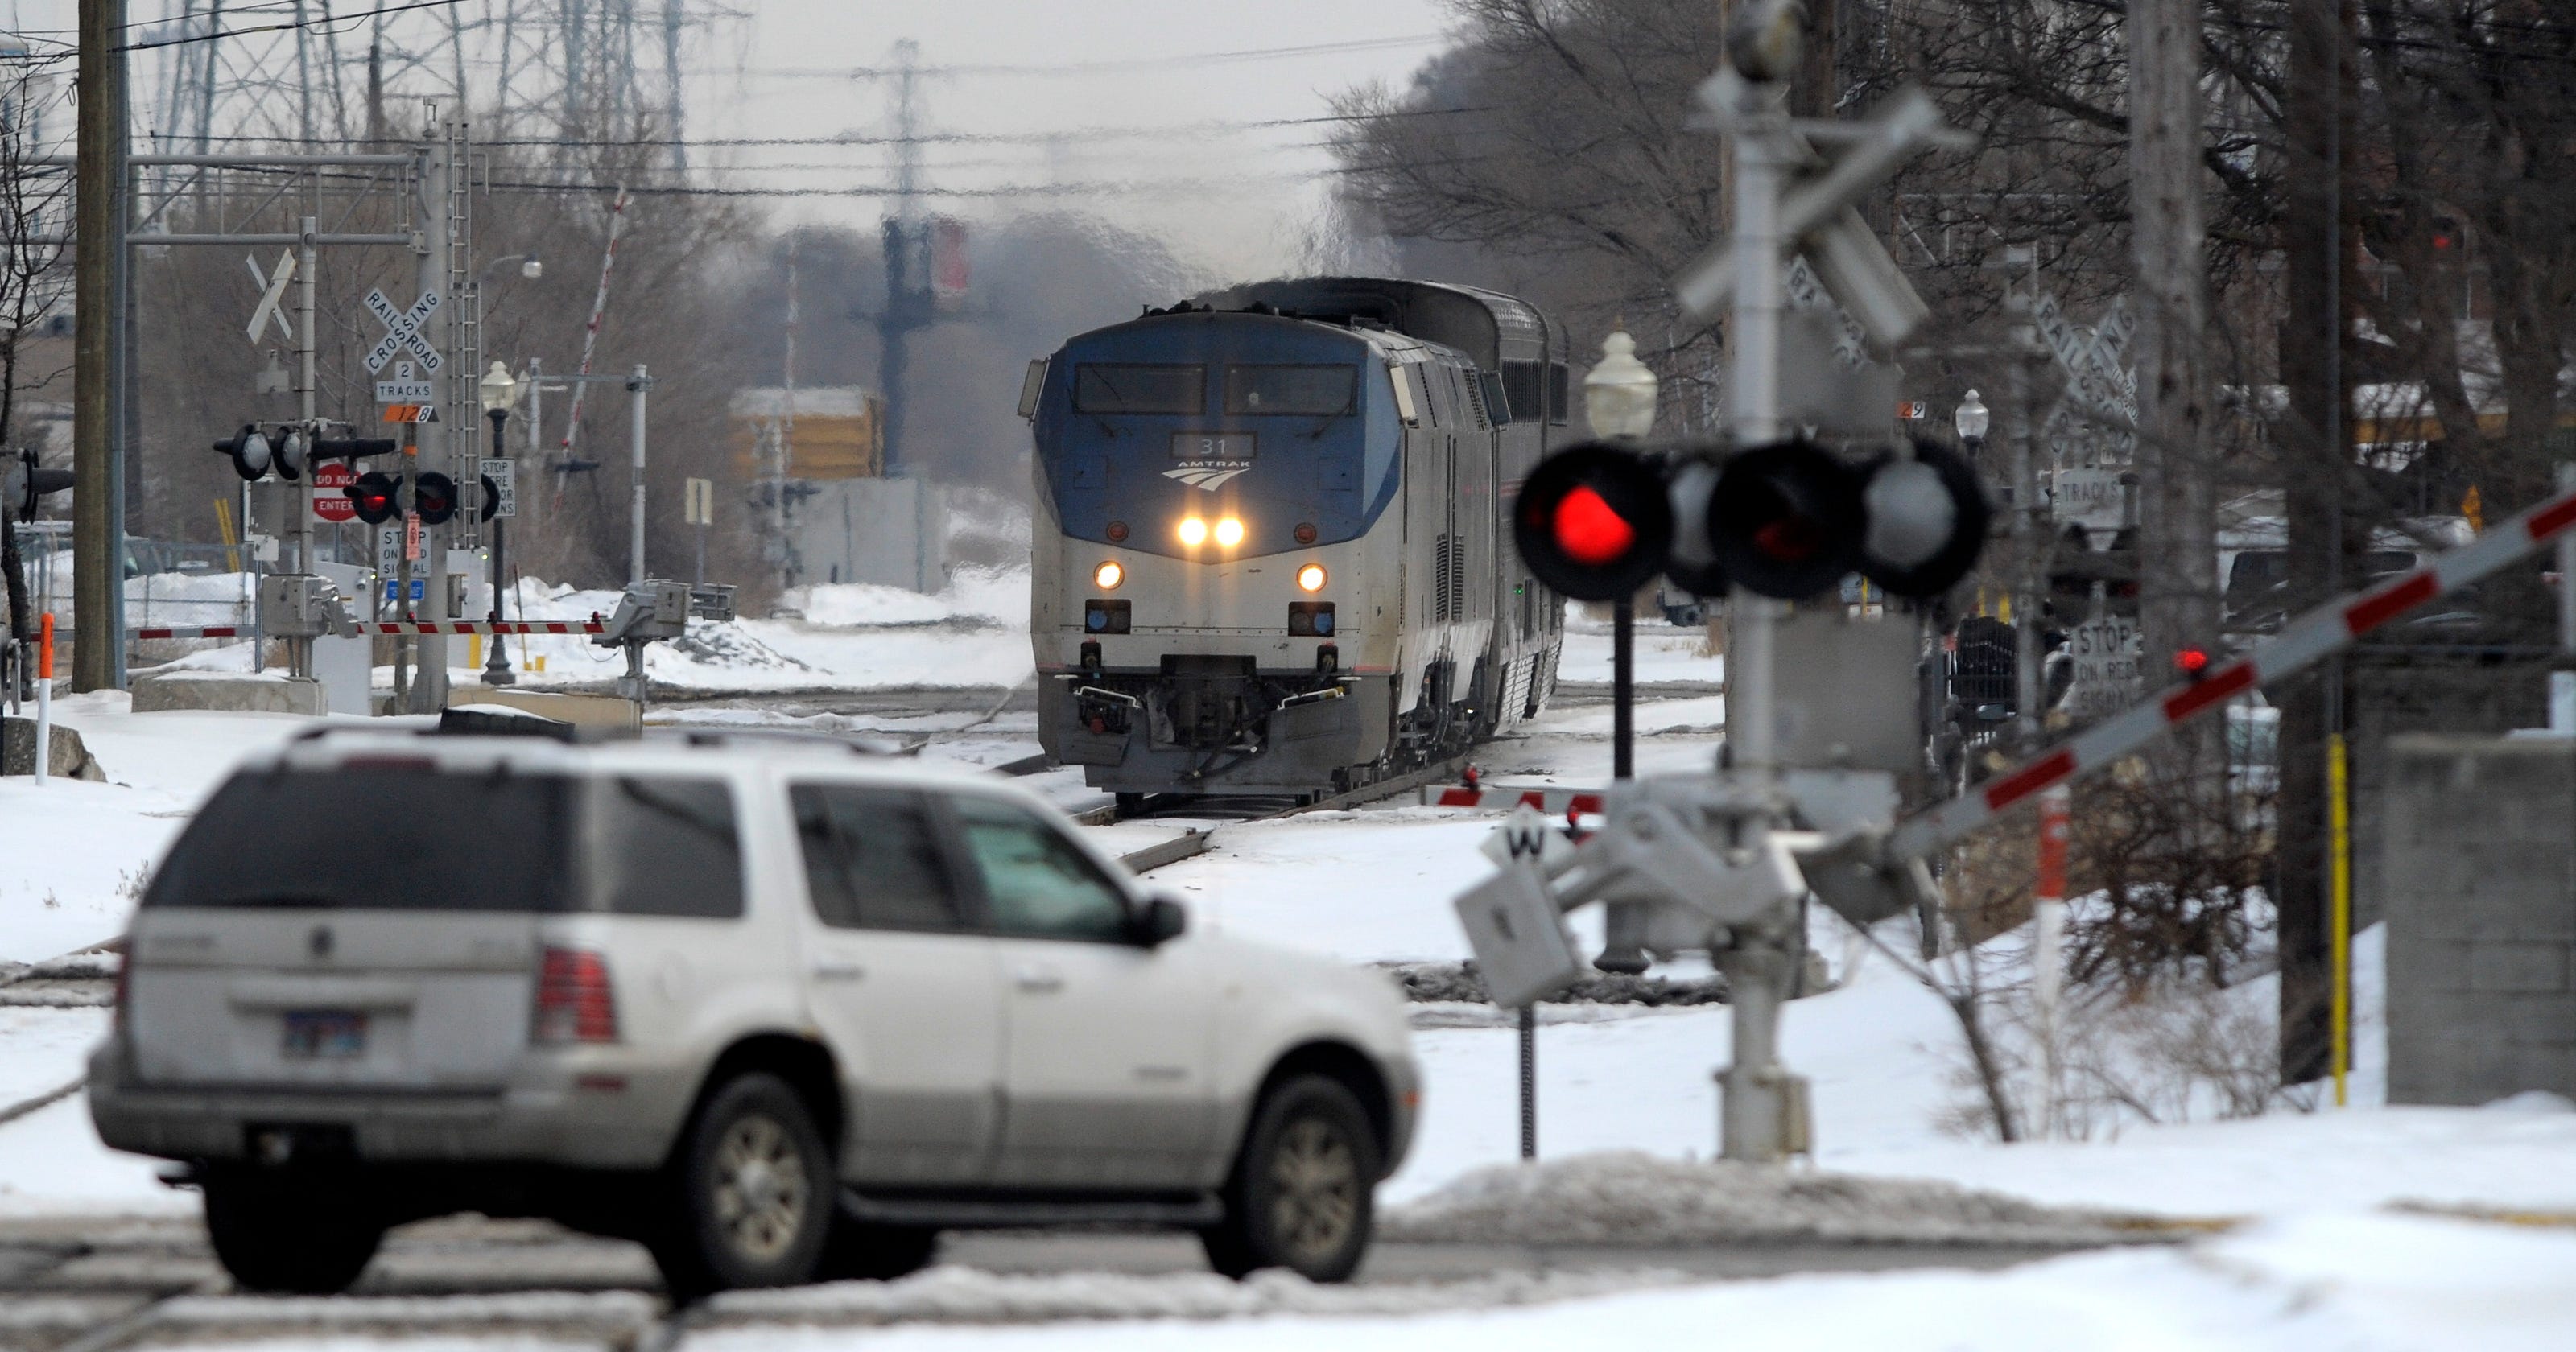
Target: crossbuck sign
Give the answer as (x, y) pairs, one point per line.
(402, 331)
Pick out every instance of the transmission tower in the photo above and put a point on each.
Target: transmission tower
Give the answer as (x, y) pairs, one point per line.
(562, 71)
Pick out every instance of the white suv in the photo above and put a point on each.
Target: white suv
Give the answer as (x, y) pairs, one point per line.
(780, 1012)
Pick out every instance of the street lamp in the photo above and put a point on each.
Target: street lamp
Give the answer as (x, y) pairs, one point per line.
(500, 392)
(1972, 419)
(530, 266)
(1619, 391)
(1619, 401)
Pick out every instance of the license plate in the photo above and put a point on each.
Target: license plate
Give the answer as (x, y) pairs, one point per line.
(324, 1035)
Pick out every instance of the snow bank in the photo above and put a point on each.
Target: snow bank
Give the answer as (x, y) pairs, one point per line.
(1628, 1197)
(2366, 1283)
(996, 595)
(953, 1295)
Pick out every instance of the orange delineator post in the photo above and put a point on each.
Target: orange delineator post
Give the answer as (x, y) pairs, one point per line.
(44, 696)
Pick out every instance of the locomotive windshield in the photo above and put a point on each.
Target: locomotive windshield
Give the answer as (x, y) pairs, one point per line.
(1103, 388)
(1307, 391)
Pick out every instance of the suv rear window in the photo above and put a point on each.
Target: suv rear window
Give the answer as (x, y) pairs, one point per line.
(407, 837)
(376, 838)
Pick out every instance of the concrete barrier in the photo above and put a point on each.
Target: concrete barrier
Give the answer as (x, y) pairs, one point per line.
(588, 711)
(70, 758)
(230, 691)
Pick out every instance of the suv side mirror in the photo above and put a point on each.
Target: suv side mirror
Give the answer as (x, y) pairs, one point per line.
(1159, 921)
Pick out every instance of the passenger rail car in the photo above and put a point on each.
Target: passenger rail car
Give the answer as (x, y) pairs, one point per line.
(1271, 551)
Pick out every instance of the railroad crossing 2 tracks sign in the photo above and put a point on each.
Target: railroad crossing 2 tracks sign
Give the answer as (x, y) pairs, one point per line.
(402, 331)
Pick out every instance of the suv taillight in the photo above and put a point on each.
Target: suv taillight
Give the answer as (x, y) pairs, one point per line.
(574, 1000)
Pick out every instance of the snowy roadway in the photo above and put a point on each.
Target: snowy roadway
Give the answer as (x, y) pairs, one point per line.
(2372, 1227)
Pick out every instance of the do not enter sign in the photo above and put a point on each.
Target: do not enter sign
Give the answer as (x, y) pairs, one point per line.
(330, 503)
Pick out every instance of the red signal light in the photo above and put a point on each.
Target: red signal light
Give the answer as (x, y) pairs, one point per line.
(1589, 530)
(433, 495)
(374, 494)
(2192, 662)
(1786, 519)
(1594, 522)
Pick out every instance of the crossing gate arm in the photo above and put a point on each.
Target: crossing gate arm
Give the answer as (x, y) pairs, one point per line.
(2301, 644)
(479, 627)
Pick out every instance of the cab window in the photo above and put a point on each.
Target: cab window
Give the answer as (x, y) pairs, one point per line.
(1037, 884)
(1100, 387)
(1305, 391)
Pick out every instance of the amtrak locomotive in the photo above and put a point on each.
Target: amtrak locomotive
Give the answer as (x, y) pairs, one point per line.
(1271, 545)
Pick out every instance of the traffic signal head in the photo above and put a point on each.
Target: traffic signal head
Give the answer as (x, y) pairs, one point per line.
(250, 451)
(1927, 518)
(376, 495)
(1594, 522)
(433, 495)
(29, 482)
(287, 453)
(1785, 520)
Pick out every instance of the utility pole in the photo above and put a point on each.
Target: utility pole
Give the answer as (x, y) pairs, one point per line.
(638, 384)
(908, 288)
(99, 256)
(432, 265)
(2178, 508)
(2317, 99)
(2029, 535)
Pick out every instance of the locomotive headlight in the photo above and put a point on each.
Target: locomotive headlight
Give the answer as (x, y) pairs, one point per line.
(1193, 532)
(1108, 575)
(1229, 532)
(1311, 578)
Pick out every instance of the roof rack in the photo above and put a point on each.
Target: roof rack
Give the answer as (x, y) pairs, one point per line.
(863, 744)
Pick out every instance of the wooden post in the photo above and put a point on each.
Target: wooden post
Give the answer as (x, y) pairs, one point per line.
(100, 181)
(2178, 508)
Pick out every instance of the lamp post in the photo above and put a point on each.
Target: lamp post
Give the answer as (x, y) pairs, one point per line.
(500, 391)
(1619, 402)
(1972, 419)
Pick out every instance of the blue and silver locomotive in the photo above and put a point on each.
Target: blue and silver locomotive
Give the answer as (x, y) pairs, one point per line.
(1271, 551)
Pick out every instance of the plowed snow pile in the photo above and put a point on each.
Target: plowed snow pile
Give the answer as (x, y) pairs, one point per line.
(1630, 1198)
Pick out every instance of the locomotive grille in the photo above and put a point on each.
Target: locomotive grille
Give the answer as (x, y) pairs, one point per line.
(1457, 591)
(1441, 578)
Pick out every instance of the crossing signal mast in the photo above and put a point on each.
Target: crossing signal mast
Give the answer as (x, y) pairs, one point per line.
(1720, 863)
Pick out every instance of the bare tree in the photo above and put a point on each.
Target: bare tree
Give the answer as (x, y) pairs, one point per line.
(35, 282)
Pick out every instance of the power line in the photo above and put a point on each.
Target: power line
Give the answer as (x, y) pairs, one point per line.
(1107, 67)
(332, 22)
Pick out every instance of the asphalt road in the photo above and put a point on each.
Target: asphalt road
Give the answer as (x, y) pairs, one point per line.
(88, 1284)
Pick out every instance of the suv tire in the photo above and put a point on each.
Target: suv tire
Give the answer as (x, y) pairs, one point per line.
(293, 1236)
(1302, 1193)
(862, 1251)
(754, 1192)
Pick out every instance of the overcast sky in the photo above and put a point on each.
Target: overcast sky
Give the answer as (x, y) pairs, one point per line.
(1121, 85)
(1125, 89)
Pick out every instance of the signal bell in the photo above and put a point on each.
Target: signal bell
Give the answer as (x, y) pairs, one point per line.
(1594, 521)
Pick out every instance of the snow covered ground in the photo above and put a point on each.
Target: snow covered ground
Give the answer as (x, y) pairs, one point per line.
(2322, 1260)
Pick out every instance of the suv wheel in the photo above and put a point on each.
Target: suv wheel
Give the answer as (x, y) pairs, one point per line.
(756, 1193)
(1303, 1189)
(295, 1236)
(859, 1251)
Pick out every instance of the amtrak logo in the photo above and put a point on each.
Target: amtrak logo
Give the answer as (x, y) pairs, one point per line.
(1210, 476)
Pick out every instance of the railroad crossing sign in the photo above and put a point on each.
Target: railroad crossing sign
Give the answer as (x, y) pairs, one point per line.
(403, 388)
(272, 296)
(402, 331)
(2095, 422)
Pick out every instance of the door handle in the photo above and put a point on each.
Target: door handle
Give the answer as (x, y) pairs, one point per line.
(832, 969)
(1035, 978)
